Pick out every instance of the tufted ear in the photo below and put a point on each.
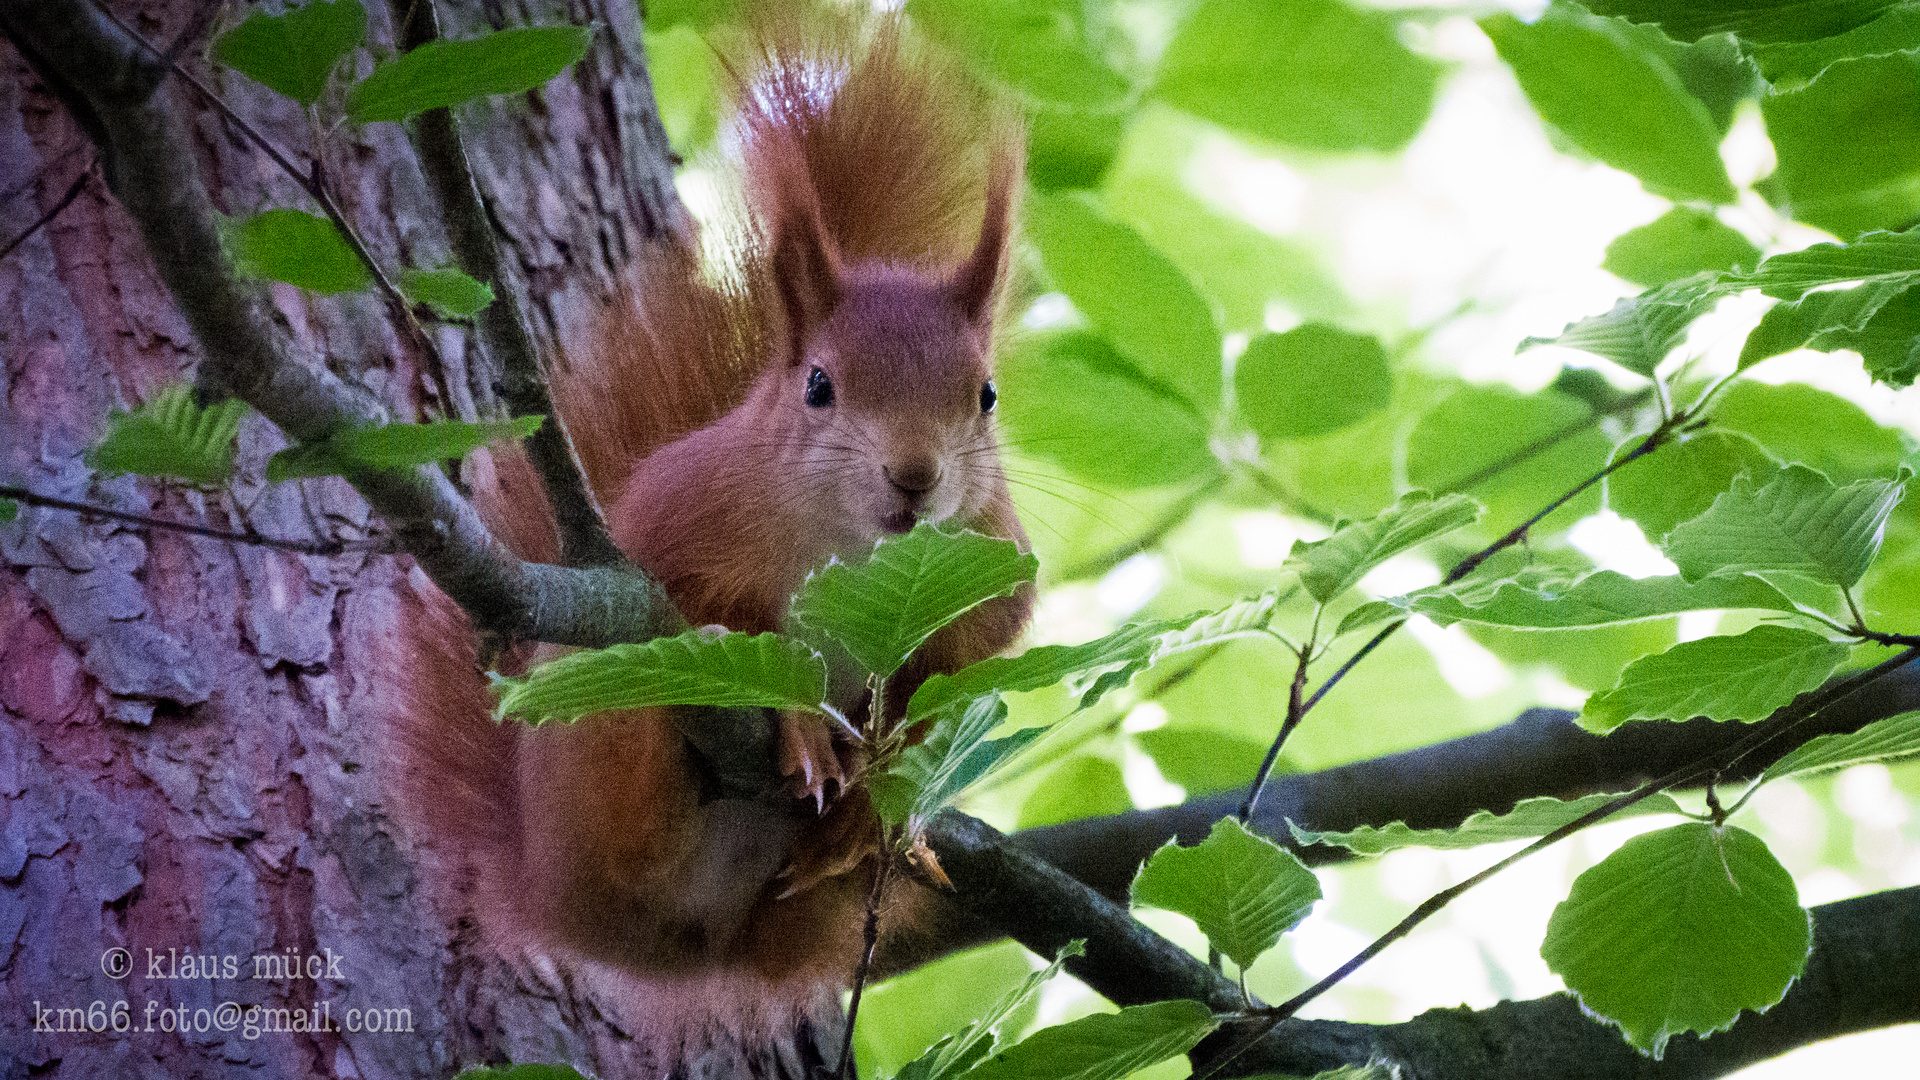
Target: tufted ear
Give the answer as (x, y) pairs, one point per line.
(805, 261)
(976, 282)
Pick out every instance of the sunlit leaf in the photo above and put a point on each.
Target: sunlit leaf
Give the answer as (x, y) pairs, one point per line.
(1893, 739)
(393, 446)
(1680, 930)
(1202, 760)
(1755, 20)
(1040, 48)
(1798, 522)
(695, 668)
(952, 1055)
(955, 753)
(295, 53)
(1330, 567)
(1678, 244)
(1896, 30)
(1638, 332)
(1321, 74)
(1873, 258)
(1744, 677)
(1242, 890)
(1661, 491)
(1104, 1046)
(443, 73)
(1310, 380)
(1080, 787)
(298, 248)
(170, 435)
(1599, 83)
(1848, 144)
(1599, 599)
(1528, 819)
(1514, 452)
(1044, 665)
(882, 609)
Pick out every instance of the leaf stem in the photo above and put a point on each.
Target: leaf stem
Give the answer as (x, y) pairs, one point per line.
(871, 942)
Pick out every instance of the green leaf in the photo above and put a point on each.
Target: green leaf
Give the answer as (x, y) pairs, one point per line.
(884, 608)
(521, 1072)
(1080, 787)
(393, 446)
(294, 54)
(298, 248)
(698, 14)
(450, 293)
(170, 435)
(1040, 48)
(1754, 20)
(1072, 399)
(1320, 74)
(1242, 890)
(1638, 332)
(444, 73)
(1528, 819)
(8, 510)
(1678, 244)
(1104, 1046)
(1848, 144)
(1598, 599)
(687, 84)
(1330, 567)
(1721, 678)
(1202, 760)
(1514, 452)
(1130, 647)
(952, 1055)
(1797, 422)
(1624, 103)
(1896, 30)
(1892, 257)
(1683, 479)
(1793, 324)
(695, 668)
(1797, 523)
(1893, 739)
(1132, 294)
(1680, 930)
(957, 752)
(1311, 380)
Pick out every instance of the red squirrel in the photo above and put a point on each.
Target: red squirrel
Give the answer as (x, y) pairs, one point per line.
(830, 387)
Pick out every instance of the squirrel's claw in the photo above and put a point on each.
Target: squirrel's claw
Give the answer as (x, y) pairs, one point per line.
(808, 759)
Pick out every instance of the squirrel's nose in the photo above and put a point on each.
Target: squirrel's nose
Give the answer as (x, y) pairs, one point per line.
(913, 477)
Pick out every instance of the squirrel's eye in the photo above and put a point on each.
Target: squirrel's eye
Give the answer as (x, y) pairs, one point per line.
(988, 395)
(819, 389)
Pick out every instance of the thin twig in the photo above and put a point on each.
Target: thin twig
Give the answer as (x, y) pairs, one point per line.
(1295, 710)
(1715, 762)
(1543, 444)
(304, 547)
(844, 1070)
(73, 192)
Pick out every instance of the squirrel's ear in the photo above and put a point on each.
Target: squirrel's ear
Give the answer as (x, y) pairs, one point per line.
(976, 283)
(806, 269)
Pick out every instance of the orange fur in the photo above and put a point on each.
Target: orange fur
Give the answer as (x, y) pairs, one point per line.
(870, 252)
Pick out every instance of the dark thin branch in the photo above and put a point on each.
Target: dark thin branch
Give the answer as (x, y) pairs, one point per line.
(1545, 443)
(303, 547)
(152, 169)
(584, 540)
(870, 941)
(73, 192)
(1295, 711)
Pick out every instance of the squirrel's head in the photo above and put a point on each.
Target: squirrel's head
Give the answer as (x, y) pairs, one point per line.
(887, 371)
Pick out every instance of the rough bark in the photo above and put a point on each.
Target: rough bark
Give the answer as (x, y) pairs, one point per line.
(186, 757)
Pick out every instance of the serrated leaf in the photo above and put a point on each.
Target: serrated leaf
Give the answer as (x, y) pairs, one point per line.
(1132, 294)
(393, 446)
(295, 53)
(1037, 667)
(1678, 244)
(1311, 380)
(1744, 677)
(1892, 739)
(444, 73)
(1680, 930)
(1242, 890)
(883, 609)
(298, 248)
(450, 293)
(1896, 30)
(1598, 599)
(1638, 332)
(1104, 1046)
(954, 1054)
(1791, 324)
(1875, 257)
(695, 668)
(1330, 567)
(1754, 20)
(1320, 74)
(1797, 523)
(955, 753)
(1528, 819)
(170, 435)
(1684, 479)
(1860, 174)
(1598, 82)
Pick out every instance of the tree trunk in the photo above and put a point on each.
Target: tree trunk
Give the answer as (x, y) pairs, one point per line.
(192, 780)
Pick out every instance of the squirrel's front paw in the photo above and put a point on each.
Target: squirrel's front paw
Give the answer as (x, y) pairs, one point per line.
(808, 758)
